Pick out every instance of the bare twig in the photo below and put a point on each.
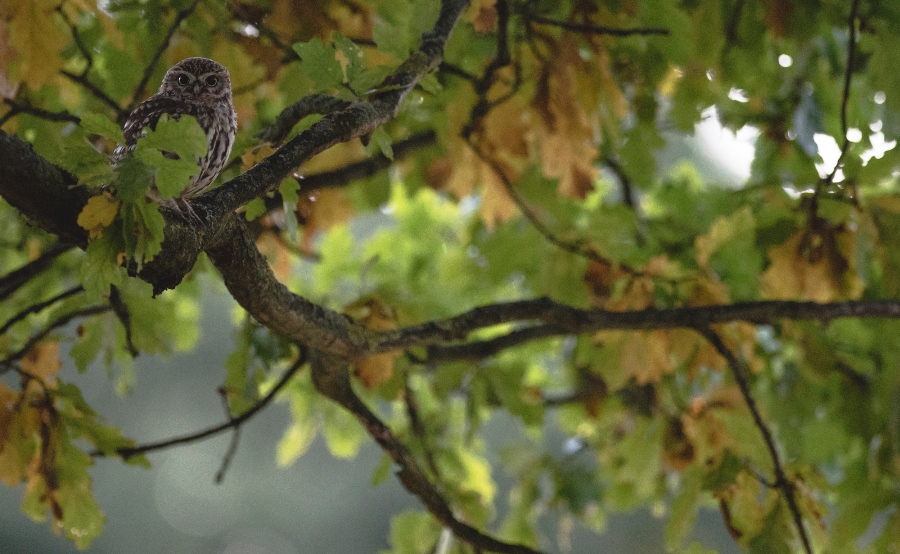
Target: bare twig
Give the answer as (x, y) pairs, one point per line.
(148, 71)
(596, 29)
(6, 363)
(738, 371)
(232, 423)
(96, 92)
(38, 112)
(76, 37)
(34, 308)
(845, 97)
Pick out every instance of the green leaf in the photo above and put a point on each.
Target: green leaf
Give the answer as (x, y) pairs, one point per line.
(99, 124)
(133, 180)
(143, 230)
(290, 195)
(101, 266)
(81, 159)
(183, 137)
(254, 208)
(382, 140)
(413, 533)
(318, 62)
(355, 61)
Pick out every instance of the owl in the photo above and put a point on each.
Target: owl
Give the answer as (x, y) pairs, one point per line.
(198, 87)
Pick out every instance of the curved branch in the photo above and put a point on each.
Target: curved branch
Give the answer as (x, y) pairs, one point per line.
(5, 363)
(34, 308)
(12, 281)
(332, 378)
(782, 481)
(322, 104)
(596, 29)
(233, 423)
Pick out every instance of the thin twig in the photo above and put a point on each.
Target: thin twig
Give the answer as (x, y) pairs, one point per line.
(232, 423)
(76, 37)
(596, 29)
(418, 427)
(148, 71)
(738, 371)
(34, 308)
(479, 350)
(6, 363)
(845, 97)
(578, 248)
(40, 113)
(97, 92)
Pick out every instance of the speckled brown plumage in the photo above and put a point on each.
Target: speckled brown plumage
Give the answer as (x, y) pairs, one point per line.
(199, 87)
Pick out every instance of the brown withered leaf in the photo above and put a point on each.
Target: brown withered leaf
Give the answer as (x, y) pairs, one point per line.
(374, 314)
(42, 361)
(565, 135)
(482, 14)
(814, 265)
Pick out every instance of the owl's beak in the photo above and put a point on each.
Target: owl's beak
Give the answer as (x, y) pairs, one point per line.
(198, 86)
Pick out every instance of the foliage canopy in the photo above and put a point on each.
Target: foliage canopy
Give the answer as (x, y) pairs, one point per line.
(448, 211)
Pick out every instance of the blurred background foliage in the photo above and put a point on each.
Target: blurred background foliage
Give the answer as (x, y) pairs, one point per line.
(615, 155)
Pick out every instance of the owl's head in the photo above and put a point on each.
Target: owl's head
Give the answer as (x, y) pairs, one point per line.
(197, 79)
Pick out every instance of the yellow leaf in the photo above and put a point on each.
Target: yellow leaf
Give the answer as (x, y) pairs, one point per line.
(253, 156)
(496, 204)
(814, 265)
(565, 133)
(37, 34)
(97, 214)
(42, 360)
(723, 229)
(374, 370)
(14, 453)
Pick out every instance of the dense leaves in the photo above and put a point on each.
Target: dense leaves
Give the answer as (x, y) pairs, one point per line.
(550, 154)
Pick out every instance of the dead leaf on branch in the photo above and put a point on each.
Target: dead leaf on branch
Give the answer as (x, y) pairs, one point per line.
(42, 361)
(374, 314)
(817, 265)
(482, 14)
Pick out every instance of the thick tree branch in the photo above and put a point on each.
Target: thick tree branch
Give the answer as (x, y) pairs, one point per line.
(321, 104)
(12, 281)
(44, 193)
(738, 371)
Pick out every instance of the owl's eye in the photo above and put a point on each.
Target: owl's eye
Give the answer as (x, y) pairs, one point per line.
(212, 81)
(184, 80)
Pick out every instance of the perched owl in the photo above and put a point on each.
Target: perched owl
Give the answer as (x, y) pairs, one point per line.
(198, 87)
